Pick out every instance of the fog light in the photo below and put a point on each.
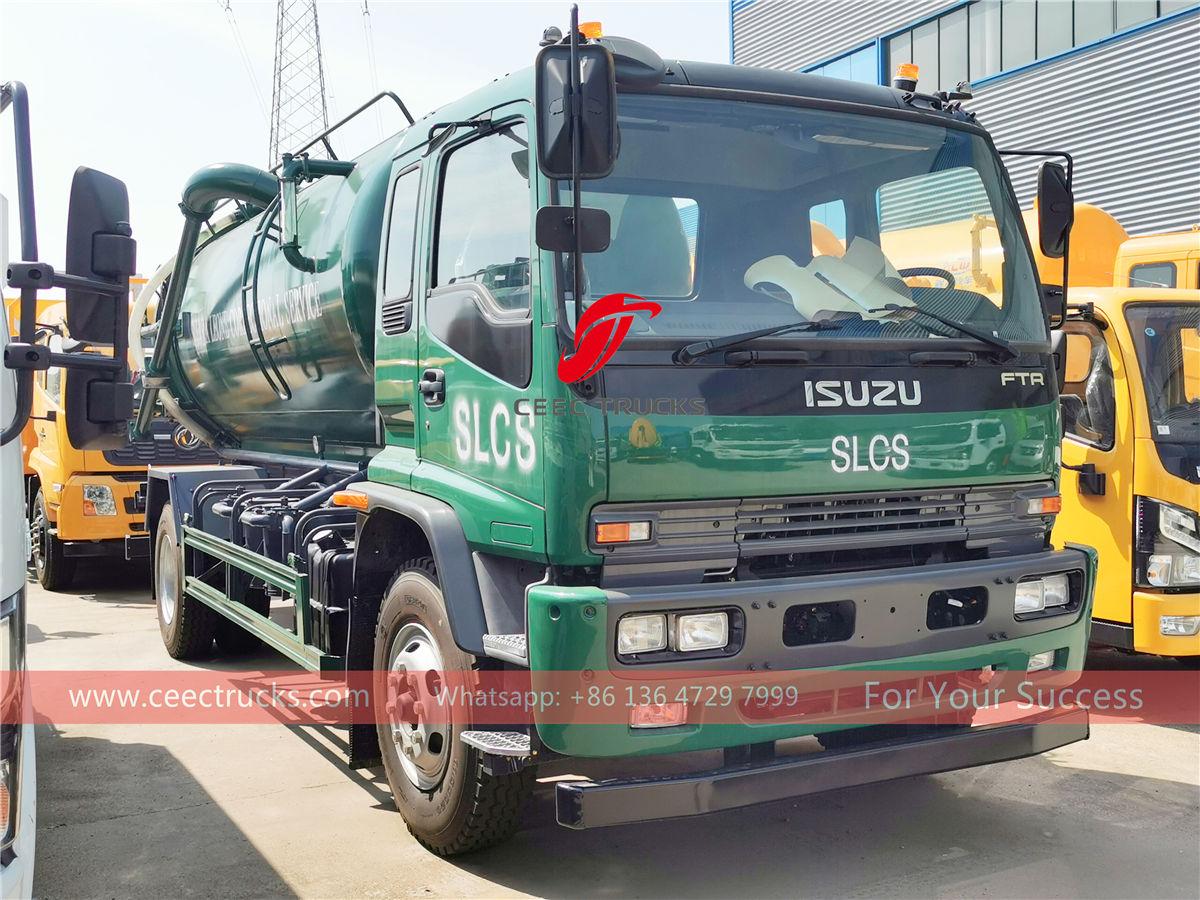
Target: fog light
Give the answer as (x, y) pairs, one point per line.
(1179, 626)
(702, 631)
(98, 500)
(642, 634)
(1040, 661)
(657, 715)
(1039, 594)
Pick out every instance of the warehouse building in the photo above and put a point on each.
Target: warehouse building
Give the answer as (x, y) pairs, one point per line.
(1116, 83)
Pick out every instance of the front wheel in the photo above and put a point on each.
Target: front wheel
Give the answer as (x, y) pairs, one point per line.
(449, 802)
(54, 569)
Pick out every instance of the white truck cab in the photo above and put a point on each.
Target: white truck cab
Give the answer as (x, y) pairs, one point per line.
(18, 784)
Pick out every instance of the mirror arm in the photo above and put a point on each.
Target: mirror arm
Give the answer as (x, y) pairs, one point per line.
(576, 162)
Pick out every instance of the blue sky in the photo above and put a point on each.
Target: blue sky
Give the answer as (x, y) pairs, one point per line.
(152, 91)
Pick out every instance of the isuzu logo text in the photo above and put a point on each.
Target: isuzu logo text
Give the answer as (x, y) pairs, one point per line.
(599, 334)
(862, 393)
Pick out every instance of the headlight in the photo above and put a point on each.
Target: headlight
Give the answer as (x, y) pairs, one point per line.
(702, 631)
(98, 500)
(1167, 545)
(642, 634)
(1042, 594)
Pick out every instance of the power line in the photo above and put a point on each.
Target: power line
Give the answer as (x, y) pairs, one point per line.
(243, 53)
(369, 35)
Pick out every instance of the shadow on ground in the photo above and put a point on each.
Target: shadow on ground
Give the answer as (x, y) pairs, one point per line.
(166, 838)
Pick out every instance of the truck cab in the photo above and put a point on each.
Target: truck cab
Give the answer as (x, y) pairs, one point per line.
(87, 504)
(1131, 460)
(1167, 260)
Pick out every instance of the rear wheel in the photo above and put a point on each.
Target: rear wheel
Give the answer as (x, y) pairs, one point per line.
(449, 802)
(53, 568)
(187, 625)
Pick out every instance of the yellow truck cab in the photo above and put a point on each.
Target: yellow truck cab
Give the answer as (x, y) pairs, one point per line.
(1131, 460)
(87, 504)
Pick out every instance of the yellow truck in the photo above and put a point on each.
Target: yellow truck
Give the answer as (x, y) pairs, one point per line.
(1131, 410)
(86, 504)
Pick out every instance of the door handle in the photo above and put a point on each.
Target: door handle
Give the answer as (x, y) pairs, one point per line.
(433, 387)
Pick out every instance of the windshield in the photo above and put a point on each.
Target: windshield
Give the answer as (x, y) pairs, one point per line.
(1167, 337)
(737, 216)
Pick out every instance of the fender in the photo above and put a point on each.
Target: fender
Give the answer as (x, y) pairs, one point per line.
(177, 485)
(443, 533)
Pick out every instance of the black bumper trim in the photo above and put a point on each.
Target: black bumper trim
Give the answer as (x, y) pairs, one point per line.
(614, 802)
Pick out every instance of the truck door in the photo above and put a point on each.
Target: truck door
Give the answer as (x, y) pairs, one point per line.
(475, 345)
(399, 280)
(1098, 428)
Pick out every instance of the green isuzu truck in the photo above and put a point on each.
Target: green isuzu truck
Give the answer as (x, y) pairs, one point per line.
(754, 457)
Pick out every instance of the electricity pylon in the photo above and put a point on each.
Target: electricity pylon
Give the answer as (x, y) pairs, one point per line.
(298, 108)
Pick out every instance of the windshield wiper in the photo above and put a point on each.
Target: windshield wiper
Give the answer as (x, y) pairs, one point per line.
(688, 354)
(982, 336)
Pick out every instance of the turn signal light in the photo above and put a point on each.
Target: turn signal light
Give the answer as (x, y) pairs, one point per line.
(622, 532)
(1045, 506)
(353, 499)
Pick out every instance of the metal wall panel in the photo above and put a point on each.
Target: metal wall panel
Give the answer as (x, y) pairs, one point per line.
(1128, 111)
(798, 34)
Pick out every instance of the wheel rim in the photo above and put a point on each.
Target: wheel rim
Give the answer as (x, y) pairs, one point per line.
(39, 536)
(166, 582)
(413, 685)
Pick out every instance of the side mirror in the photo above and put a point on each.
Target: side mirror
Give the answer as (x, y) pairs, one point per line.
(598, 138)
(100, 246)
(1056, 210)
(555, 229)
(98, 399)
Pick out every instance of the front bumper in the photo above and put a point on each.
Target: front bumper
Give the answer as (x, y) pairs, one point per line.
(572, 629)
(1148, 608)
(80, 532)
(616, 802)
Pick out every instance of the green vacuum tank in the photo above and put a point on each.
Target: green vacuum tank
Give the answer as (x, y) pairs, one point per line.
(268, 357)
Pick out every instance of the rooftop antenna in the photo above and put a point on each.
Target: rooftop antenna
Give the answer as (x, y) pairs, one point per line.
(298, 104)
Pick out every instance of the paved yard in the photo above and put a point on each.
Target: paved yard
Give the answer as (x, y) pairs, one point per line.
(168, 811)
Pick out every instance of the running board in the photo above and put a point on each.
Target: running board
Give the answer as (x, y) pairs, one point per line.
(508, 647)
(499, 743)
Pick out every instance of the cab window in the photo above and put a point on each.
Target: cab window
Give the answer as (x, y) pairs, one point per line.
(480, 303)
(1157, 274)
(1089, 395)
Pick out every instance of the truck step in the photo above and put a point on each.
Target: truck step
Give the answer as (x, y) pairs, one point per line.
(498, 743)
(508, 647)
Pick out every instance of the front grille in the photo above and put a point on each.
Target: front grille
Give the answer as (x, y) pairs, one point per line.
(839, 521)
(779, 536)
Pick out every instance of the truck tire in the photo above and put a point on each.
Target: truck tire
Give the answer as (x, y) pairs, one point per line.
(233, 639)
(449, 802)
(54, 569)
(187, 625)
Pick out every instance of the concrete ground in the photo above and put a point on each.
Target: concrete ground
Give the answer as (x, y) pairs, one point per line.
(272, 811)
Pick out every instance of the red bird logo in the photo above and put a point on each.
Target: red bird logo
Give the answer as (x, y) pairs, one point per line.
(600, 333)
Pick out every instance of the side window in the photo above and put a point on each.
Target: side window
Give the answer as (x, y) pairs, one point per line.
(402, 229)
(1089, 396)
(480, 303)
(483, 223)
(1159, 274)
